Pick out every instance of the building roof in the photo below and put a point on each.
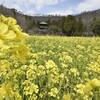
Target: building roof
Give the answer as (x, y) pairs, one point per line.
(43, 23)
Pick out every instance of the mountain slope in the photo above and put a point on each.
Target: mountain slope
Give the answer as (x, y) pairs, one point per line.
(88, 17)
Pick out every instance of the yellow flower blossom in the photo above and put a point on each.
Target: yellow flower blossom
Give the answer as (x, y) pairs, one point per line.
(80, 89)
(22, 52)
(1, 43)
(95, 82)
(67, 97)
(74, 72)
(11, 21)
(53, 92)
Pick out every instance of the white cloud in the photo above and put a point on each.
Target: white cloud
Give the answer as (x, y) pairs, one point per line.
(29, 6)
(41, 3)
(88, 5)
(31, 12)
(37, 3)
(61, 12)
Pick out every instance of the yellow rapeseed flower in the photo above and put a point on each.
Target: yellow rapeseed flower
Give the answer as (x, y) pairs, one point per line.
(11, 21)
(95, 82)
(1, 43)
(3, 29)
(22, 52)
(53, 92)
(67, 97)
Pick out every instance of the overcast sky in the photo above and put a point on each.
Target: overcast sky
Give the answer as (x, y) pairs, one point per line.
(62, 7)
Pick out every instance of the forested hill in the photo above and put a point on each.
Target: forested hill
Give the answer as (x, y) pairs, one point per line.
(30, 23)
(88, 17)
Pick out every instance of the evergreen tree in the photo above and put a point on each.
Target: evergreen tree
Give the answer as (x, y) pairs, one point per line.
(69, 25)
(54, 28)
(49, 22)
(79, 27)
(95, 26)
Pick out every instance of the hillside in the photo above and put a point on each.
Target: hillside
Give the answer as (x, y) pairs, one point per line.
(30, 23)
(87, 17)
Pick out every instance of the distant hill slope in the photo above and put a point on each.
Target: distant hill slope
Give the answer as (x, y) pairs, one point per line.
(87, 17)
(27, 22)
(17, 15)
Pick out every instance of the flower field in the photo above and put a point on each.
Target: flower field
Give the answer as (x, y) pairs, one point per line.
(47, 67)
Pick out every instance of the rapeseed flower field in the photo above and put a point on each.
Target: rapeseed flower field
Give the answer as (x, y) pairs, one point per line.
(47, 67)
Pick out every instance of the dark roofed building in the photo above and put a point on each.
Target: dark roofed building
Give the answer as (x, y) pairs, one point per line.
(43, 27)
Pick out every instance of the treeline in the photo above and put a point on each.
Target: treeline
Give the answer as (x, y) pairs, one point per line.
(95, 26)
(70, 26)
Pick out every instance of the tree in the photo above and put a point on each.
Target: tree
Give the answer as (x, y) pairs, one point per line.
(69, 25)
(33, 22)
(95, 26)
(49, 22)
(61, 23)
(78, 27)
(37, 23)
(54, 29)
